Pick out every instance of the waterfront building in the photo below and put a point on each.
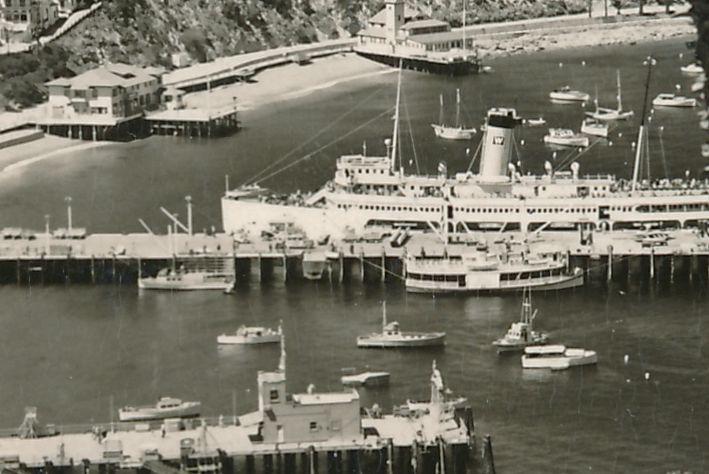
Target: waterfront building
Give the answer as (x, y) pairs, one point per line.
(101, 97)
(399, 34)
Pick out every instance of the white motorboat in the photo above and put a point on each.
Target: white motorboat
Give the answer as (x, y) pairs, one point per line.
(591, 126)
(368, 377)
(606, 114)
(251, 335)
(565, 137)
(534, 122)
(456, 132)
(166, 407)
(182, 280)
(673, 100)
(556, 357)
(651, 238)
(392, 337)
(487, 271)
(314, 264)
(693, 68)
(566, 94)
(522, 334)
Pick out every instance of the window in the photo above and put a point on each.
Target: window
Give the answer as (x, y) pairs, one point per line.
(274, 395)
(313, 426)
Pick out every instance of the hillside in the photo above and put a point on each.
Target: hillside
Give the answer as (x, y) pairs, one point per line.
(147, 32)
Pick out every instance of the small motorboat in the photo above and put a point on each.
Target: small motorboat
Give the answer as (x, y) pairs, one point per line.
(183, 280)
(522, 334)
(693, 68)
(565, 137)
(673, 100)
(566, 94)
(534, 122)
(556, 357)
(251, 335)
(314, 264)
(369, 378)
(591, 126)
(166, 407)
(652, 238)
(392, 337)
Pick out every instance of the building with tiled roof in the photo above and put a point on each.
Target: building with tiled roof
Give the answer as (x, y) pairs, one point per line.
(110, 91)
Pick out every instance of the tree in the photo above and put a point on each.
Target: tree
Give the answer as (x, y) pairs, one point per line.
(618, 4)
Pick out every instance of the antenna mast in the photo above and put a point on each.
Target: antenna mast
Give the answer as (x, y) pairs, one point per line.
(650, 61)
(395, 138)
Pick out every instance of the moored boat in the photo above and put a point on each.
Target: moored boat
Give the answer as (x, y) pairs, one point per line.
(566, 94)
(455, 132)
(314, 264)
(692, 68)
(181, 280)
(392, 337)
(591, 126)
(166, 407)
(673, 100)
(368, 378)
(522, 334)
(251, 335)
(556, 357)
(565, 137)
(605, 114)
(534, 122)
(486, 271)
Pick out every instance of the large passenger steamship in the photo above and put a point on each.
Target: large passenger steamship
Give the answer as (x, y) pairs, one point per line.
(371, 191)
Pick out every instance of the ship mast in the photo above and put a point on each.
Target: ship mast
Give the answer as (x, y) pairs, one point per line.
(384, 315)
(457, 108)
(620, 102)
(465, 48)
(649, 62)
(395, 138)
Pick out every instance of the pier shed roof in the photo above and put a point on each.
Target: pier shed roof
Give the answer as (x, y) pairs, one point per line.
(441, 37)
(427, 23)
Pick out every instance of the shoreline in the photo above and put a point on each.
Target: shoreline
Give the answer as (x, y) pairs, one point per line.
(26, 154)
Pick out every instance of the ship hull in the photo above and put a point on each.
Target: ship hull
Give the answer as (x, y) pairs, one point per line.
(155, 284)
(544, 284)
(152, 413)
(372, 343)
(453, 68)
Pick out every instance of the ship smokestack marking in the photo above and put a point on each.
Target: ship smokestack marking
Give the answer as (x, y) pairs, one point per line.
(498, 144)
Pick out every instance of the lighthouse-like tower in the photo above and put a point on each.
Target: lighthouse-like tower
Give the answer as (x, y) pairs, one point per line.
(394, 19)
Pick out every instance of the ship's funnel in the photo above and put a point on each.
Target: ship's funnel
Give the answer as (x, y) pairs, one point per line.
(497, 144)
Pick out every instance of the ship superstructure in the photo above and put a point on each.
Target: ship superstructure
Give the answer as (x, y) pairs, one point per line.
(372, 191)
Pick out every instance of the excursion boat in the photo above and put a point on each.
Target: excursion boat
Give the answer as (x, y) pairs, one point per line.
(556, 357)
(565, 137)
(377, 191)
(606, 114)
(457, 132)
(166, 407)
(251, 335)
(566, 94)
(486, 271)
(673, 100)
(183, 280)
(367, 378)
(392, 337)
(591, 126)
(522, 334)
(693, 68)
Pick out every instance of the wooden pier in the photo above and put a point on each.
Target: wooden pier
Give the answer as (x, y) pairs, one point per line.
(193, 122)
(112, 258)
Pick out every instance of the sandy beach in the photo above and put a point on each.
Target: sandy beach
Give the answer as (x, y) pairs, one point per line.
(47, 147)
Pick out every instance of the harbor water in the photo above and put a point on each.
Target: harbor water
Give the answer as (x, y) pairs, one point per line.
(78, 353)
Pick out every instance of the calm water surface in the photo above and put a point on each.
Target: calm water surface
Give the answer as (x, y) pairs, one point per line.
(70, 350)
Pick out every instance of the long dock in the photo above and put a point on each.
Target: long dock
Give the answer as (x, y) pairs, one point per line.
(110, 258)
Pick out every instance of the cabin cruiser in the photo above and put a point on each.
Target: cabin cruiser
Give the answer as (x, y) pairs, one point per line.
(566, 94)
(556, 357)
(487, 271)
(651, 238)
(522, 334)
(251, 335)
(534, 122)
(673, 100)
(565, 137)
(182, 280)
(166, 407)
(392, 337)
(314, 264)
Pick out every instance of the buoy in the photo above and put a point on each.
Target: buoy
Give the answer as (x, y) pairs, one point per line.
(649, 119)
(662, 128)
(553, 156)
(632, 145)
(678, 87)
(610, 143)
(561, 64)
(626, 358)
(647, 375)
(583, 63)
(521, 142)
(681, 55)
(620, 134)
(627, 380)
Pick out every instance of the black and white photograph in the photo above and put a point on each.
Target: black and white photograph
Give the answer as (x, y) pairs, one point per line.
(354, 236)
